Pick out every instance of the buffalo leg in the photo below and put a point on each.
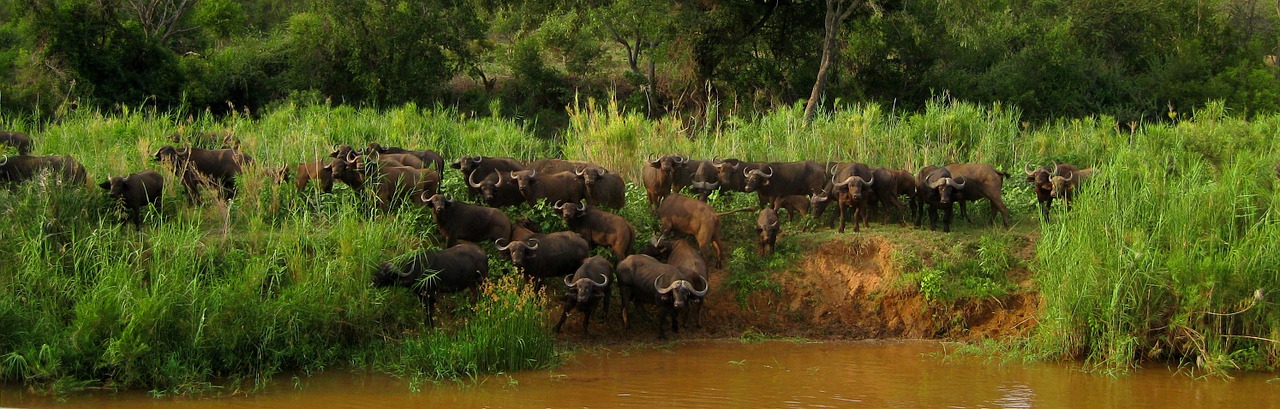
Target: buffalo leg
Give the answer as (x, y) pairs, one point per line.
(841, 229)
(947, 216)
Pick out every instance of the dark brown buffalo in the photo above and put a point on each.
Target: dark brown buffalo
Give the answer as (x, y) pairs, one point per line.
(199, 167)
(349, 171)
(429, 158)
(777, 179)
(544, 256)
(136, 191)
(603, 188)
(482, 166)
(851, 188)
(321, 171)
(451, 270)
(17, 140)
(497, 189)
(768, 227)
(704, 179)
(938, 190)
(794, 204)
(18, 169)
(890, 185)
(600, 228)
(463, 221)
(685, 257)
(1065, 185)
(397, 159)
(400, 182)
(642, 279)
(587, 287)
(553, 187)
(733, 173)
(1041, 184)
(981, 181)
(659, 176)
(695, 218)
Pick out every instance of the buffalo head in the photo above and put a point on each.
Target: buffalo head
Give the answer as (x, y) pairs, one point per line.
(755, 178)
(571, 210)
(584, 288)
(520, 251)
(678, 291)
(852, 188)
(946, 187)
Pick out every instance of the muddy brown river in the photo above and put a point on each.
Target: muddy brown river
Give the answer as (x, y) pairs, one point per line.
(721, 374)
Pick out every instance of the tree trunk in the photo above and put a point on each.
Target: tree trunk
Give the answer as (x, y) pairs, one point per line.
(837, 12)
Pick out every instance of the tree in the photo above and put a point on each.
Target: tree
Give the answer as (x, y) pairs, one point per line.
(837, 12)
(640, 27)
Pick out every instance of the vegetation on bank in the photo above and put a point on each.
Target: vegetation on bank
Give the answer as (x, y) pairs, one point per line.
(1170, 253)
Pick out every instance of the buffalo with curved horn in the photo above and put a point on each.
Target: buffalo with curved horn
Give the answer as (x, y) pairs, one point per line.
(587, 287)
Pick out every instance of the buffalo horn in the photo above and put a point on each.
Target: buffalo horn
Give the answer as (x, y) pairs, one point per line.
(498, 243)
(424, 198)
(1027, 168)
(579, 172)
(659, 288)
(653, 241)
(1055, 168)
(705, 288)
(959, 185)
(938, 182)
(184, 151)
(350, 156)
(652, 160)
(1070, 175)
(499, 174)
(746, 172)
(605, 283)
(568, 280)
(559, 205)
(770, 168)
(534, 245)
(511, 174)
(582, 205)
(477, 159)
(471, 182)
(682, 159)
(870, 182)
(5, 160)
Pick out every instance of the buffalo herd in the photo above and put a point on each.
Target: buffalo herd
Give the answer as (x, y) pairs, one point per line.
(670, 273)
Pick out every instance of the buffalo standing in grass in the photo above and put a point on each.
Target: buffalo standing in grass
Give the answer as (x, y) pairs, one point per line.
(587, 287)
(1041, 184)
(778, 179)
(659, 176)
(599, 228)
(496, 190)
(794, 204)
(891, 185)
(938, 190)
(136, 191)
(198, 167)
(690, 216)
(603, 188)
(454, 269)
(1065, 185)
(851, 188)
(464, 221)
(18, 169)
(482, 166)
(545, 256)
(981, 181)
(17, 140)
(555, 187)
(320, 171)
(429, 158)
(704, 180)
(768, 227)
(398, 182)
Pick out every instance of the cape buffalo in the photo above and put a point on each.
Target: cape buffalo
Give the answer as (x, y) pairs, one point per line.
(454, 269)
(768, 227)
(395, 182)
(464, 221)
(470, 165)
(544, 256)
(659, 175)
(603, 188)
(17, 140)
(428, 157)
(497, 190)
(587, 287)
(938, 190)
(199, 167)
(321, 171)
(600, 228)
(18, 169)
(1064, 186)
(1040, 182)
(891, 185)
(690, 216)
(644, 280)
(794, 204)
(135, 191)
(704, 180)
(777, 179)
(982, 182)
(851, 188)
(554, 187)
(733, 173)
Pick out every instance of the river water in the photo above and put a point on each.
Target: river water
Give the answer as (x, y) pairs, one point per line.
(720, 374)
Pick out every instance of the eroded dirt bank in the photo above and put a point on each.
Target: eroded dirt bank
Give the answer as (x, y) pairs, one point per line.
(846, 287)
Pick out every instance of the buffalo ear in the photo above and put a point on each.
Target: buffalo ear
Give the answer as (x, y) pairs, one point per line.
(105, 185)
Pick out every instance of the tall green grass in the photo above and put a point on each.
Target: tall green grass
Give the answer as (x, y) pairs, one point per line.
(1161, 258)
